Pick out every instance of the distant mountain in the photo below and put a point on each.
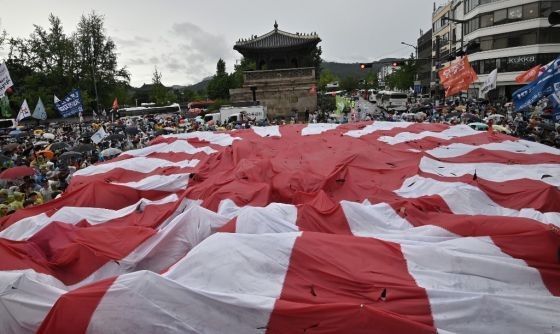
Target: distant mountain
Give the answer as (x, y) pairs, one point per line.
(343, 70)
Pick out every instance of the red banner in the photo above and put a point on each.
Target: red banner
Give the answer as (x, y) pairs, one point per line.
(529, 75)
(457, 77)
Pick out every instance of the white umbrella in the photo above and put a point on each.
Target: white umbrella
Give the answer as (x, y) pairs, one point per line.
(111, 152)
(41, 143)
(49, 136)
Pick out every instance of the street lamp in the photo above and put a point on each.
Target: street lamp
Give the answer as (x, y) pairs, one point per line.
(412, 46)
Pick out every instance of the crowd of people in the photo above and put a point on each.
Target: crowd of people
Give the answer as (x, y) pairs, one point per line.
(38, 161)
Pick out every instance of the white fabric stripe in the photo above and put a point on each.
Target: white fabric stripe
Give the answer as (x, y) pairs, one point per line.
(170, 183)
(274, 218)
(211, 290)
(547, 173)
(452, 132)
(267, 131)
(25, 299)
(179, 146)
(377, 126)
(222, 139)
(472, 286)
(137, 164)
(521, 146)
(318, 128)
(465, 199)
(27, 227)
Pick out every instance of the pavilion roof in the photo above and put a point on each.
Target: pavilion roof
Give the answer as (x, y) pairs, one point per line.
(277, 39)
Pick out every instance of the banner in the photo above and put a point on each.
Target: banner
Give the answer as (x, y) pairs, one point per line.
(555, 99)
(40, 112)
(5, 80)
(529, 75)
(5, 110)
(489, 83)
(115, 105)
(457, 77)
(70, 105)
(24, 111)
(99, 135)
(542, 87)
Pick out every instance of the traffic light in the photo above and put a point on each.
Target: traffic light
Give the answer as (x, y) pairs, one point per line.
(363, 66)
(396, 64)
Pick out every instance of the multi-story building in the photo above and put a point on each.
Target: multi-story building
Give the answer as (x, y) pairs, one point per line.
(383, 73)
(424, 67)
(445, 39)
(514, 36)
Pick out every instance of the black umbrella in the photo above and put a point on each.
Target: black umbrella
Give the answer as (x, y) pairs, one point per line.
(4, 158)
(132, 130)
(68, 155)
(83, 148)
(453, 114)
(10, 147)
(115, 137)
(59, 146)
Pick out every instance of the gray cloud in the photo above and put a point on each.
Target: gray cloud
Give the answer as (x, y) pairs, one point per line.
(136, 41)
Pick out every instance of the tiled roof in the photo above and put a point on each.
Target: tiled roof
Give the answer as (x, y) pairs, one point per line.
(277, 39)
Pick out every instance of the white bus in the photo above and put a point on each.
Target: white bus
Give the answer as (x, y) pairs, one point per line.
(391, 100)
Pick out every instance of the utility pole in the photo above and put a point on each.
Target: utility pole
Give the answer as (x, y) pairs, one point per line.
(93, 66)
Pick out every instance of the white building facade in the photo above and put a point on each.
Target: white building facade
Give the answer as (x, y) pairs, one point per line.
(514, 36)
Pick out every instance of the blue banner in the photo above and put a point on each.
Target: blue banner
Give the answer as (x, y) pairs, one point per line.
(555, 99)
(543, 86)
(70, 105)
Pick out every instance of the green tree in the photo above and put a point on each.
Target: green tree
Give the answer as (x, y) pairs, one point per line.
(159, 93)
(349, 84)
(237, 77)
(403, 77)
(218, 87)
(326, 78)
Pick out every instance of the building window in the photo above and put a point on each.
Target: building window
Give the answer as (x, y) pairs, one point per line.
(500, 16)
(489, 65)
(530, 11)
(549, 35)
(486, 44)
(515, 13)
(548, 7)
(486, 20)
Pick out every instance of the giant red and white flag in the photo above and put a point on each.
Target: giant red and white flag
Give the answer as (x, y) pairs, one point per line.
(380, 227)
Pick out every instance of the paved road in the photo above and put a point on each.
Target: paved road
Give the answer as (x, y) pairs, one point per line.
(366, 107)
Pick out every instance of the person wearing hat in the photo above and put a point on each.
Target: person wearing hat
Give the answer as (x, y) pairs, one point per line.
(35, 198)
(3, 210)
(17, 201)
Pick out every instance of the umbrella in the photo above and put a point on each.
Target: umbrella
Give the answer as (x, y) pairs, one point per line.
(83, 148)
(4, 158)
(501, 129)
(48, 154)
(59, 146)
(49, 136)
(17, 172)
(70, 154)
(41, 143)
(114, 137)
(10, 147)
(132, 130)
(110, 152)
(15, 133)
(453, 114)
(87, 135)
(479, 126)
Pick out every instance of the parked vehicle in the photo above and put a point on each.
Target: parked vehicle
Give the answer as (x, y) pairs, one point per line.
(392, 100)
(237, 114)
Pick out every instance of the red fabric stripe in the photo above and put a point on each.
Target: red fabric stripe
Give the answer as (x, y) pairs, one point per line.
(379, 294)
(535, 243)
(73, 252)
(73, 311)
(515, 194)
(94, 194)
(229, 227)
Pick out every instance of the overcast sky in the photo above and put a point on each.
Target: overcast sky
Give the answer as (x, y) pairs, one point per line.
(184, 39)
